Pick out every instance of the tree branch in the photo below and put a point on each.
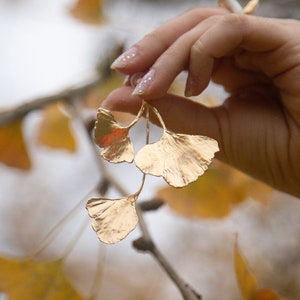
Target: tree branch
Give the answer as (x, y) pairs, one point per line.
(71, 94)
(152, 204)
(146, 244)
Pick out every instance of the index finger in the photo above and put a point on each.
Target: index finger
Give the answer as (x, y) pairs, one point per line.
(216, 37)
(141, 56)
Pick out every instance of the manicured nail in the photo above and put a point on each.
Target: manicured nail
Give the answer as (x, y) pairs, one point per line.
(191, 88)
(144, 84)
(122, 61)
(127, 80)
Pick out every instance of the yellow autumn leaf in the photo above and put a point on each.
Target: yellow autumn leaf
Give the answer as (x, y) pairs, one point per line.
(246, 280)
(31, 280)
(88, 11)
(114, 219)
(54, 130)
(264, 294)
(13, 150)
(215, 193)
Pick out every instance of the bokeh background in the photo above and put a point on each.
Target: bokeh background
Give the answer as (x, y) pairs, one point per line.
(43, 50)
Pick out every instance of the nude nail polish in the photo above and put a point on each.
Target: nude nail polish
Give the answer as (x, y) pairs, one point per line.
(122, 61)
(191, 88)
(144, 84)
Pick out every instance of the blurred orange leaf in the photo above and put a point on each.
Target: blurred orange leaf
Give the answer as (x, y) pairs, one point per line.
(215, 193)
(30, 280)
(263, 294)
(246, 280)
(13, 150)
(88, 11)
(54, 129)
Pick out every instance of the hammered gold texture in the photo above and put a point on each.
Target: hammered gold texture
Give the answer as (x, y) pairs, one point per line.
(121, 151)
(178, 158)
(113, 138)
(114, 219)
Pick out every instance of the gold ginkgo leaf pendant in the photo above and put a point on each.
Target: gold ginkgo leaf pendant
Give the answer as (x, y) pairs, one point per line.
(113, 218)
(179, 158)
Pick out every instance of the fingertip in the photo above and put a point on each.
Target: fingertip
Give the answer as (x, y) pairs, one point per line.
(195, 85)
(124, 59)
(154, 84)
(121, 99)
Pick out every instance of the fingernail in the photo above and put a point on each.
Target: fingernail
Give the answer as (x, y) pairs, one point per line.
(122, 61)
(133, 79)
(191, 88)
(127, 80)
(144, 84)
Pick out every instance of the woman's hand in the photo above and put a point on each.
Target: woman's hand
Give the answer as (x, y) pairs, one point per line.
(257, 60)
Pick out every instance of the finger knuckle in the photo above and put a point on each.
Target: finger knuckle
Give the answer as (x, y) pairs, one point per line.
(237, 21)
(198, 48)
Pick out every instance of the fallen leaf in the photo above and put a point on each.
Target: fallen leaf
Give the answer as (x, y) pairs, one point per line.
(215, 194)
(264, 294)
(54, 130)
(31, 280)
(88, 11)
(13, 150)
(113, 138)
(178, 158)
(250, 7)
(114, 219)
(245, 278)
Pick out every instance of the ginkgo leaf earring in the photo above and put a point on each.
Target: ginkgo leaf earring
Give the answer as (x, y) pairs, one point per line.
(113, 137)
(113, 218)
(179, 158)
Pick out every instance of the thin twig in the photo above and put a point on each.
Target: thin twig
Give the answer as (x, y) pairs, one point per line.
(151, 205)
(186, 291)
(75, 239)
(146, 244)
(57, 227)
(99, 274)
